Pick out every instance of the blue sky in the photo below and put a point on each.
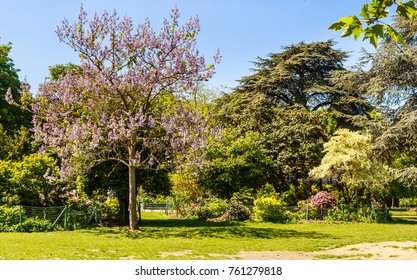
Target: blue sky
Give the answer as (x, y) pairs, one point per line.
(241, 29)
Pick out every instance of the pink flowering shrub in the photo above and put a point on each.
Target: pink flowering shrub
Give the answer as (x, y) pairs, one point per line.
(323, 200)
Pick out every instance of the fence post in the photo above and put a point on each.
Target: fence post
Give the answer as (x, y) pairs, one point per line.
(139, 209)
(307, 213)
(229, 218)
(343, 212)
(20, 218)
(65, 217)
(373, 213)
(96, 214)
(386, 212)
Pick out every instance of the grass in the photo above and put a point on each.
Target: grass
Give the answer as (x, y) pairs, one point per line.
(408, 213)
(344, 257)
(163, 238)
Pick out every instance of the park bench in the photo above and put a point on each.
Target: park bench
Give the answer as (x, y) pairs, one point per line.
(155, 206)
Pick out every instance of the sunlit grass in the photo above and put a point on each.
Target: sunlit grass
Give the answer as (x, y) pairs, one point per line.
(164, 238)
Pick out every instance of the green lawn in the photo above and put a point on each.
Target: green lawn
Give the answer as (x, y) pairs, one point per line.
(403, 214)
(161, 238)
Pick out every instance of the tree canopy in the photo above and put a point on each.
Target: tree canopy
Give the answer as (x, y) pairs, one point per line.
(301, 75)
(125, 103)
(11, 117)
(348, 161)
(134, 119)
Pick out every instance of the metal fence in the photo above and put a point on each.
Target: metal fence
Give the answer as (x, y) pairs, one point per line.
(23, 217)
(343, 213)
(404, 211)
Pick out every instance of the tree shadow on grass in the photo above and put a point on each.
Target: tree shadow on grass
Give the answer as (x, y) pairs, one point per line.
(404, 220)
(199, 229)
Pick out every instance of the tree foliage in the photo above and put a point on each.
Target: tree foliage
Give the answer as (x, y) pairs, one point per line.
(300, 75)
(295, 142)
(392, 72)
(348, 161)
(370, 24)
(292, 136)
(244, 112)
(14, 122)
(22, 182)
(235, 164)
(11, 117)
(125, 103)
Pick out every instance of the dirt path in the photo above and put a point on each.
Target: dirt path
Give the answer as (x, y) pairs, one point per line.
(366, 251)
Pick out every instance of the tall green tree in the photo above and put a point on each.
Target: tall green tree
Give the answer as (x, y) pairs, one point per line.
(295, 143)
(15, 123)
(234, 164)
(391, 81)
(11, 117)
(301, 75)
(392, 75)
(291, 136)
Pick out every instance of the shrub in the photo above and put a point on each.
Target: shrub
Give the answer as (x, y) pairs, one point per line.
(36, 225)
(238, 211)
(295, 193)
(244, 196)
(363, 214)
(404, 202)
(110, 212)
(270, 209)
(9, 218)
(323, 200)
(211, 208)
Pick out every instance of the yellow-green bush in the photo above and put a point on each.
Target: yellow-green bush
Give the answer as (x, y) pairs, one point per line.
(270, 209)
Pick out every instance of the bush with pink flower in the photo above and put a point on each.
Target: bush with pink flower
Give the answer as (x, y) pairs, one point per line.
(323, 200)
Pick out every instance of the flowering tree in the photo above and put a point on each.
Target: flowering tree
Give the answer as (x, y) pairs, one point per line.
(127, 101)
(348, 161)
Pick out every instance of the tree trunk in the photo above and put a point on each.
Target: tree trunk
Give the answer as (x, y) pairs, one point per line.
(133, 218)
(124, 209)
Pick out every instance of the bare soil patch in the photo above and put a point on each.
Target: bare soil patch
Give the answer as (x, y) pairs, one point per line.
(369, 251)
(176, 254)
(365, 251)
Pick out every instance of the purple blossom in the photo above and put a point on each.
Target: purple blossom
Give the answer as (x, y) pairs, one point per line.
(9, 96)
(114, 108)
(323, 200)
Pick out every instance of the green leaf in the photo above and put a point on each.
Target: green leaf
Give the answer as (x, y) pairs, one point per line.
(357, 32)
(406, 10)
(372, 36)
(208, 67)
(388, 3)
(378, 29)
(349, 20)
(364, 13)
(352, 26)
(337, 26)
(396, 37)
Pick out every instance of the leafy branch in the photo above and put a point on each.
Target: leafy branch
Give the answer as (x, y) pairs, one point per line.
(370, 24)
